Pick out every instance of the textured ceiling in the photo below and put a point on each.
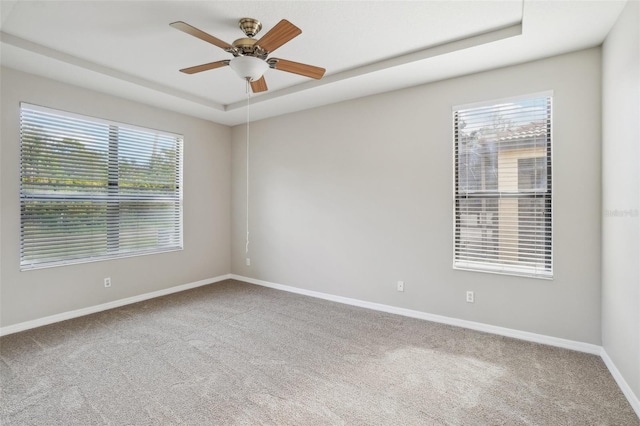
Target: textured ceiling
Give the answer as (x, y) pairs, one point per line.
(127, 48)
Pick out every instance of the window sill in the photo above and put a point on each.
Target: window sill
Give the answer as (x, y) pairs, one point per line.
(503, 270)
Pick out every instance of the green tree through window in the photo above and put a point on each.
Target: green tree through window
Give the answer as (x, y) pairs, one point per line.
(92, 189)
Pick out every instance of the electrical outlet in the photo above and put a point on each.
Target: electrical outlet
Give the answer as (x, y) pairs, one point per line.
(470, 297)
(400, 285)
(107, 282)
(248, 261)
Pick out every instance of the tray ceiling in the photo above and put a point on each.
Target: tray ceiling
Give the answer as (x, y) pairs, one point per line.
(128, 49)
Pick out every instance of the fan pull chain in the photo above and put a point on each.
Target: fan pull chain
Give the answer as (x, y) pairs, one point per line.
(246, 248)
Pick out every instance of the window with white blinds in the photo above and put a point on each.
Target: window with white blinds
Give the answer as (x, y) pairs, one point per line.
(502, 187)
(92, 189)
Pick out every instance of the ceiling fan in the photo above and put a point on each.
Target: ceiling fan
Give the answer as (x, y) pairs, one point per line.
(250, 55)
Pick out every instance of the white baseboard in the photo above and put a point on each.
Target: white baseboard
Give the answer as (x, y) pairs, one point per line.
(502, 331)
(15, 328)
(622, 383)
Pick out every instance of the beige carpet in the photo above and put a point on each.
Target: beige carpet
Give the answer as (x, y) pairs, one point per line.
(234, 353)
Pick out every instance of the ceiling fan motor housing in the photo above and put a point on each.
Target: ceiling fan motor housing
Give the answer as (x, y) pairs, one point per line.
(245, 46)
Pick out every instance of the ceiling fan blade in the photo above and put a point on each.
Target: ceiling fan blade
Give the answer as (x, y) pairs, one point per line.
(184, 27)
(205, 67)
(278, 35)
(259, 85)
(297, 68)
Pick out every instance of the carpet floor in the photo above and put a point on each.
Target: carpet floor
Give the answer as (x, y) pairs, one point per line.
(235, 353)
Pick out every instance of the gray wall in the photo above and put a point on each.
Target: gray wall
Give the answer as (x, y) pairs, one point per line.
(621, 175)
(207, 157)
(350, 198)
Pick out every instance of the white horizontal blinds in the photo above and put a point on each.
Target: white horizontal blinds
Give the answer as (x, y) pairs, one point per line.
(147, 187)
(92, 189)
(503, 187)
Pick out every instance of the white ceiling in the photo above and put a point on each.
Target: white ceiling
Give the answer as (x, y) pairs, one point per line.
(128, 49)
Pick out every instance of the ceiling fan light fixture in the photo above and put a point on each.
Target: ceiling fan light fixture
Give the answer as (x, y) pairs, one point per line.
(248, 67)
(250, 56)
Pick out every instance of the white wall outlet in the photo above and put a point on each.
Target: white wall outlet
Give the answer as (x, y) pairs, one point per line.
(107, 282)
(400, 286)
(470, 297)
(247, 261)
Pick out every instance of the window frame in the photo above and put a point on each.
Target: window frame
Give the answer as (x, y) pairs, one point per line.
(108, 253)
(502, 268)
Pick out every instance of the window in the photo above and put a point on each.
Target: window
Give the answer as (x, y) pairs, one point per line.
(91, 189)
(502, 187)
